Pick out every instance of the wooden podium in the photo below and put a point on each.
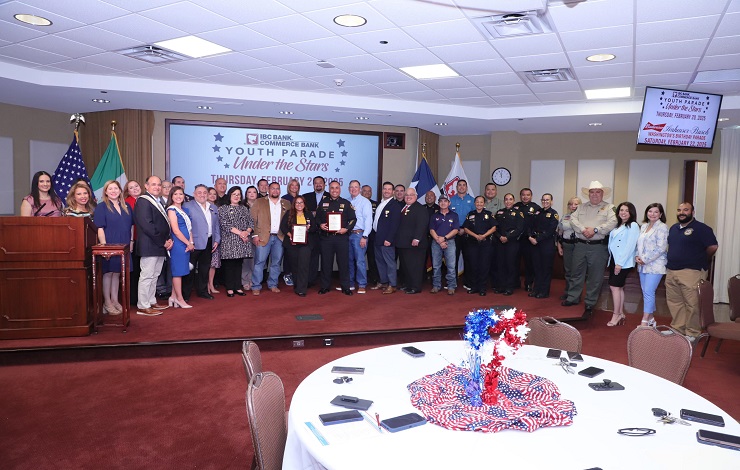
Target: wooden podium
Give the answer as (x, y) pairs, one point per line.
(46, 277)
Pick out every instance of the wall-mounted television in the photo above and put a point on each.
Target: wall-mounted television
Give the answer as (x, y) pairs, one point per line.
(678, 118)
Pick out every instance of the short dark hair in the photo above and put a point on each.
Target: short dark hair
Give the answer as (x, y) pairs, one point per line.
(461, 181)
(491, 184)
(524, 189)
(355, 181)
(200, 186)
(633, 213)
(178, 176)
(388, 183)
(231, 190)
(261, 180)
(660, 208)
(274, 182)
(319, 178)
(689, 203)
(396, 186)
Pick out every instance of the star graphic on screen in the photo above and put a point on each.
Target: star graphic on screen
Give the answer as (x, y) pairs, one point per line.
(219, 158)
(216, 148)
(336, 169)
(218, 137)
(342, 162)
(226, 165)
(662, 92)
(344, 153)
(340, 143)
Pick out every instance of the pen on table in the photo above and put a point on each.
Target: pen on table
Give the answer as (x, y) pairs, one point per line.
(377, 418)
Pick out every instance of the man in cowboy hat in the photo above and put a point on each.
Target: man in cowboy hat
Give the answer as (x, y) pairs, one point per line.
(592, 222)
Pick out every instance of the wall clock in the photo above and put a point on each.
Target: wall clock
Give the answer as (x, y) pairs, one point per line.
(501, 176)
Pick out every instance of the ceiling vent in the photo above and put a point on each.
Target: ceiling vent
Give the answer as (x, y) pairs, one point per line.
(513, 24)
(325, 65)
(547, 75)
(153, 54)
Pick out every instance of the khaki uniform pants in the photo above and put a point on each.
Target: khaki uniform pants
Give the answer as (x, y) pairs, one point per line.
(682, 296)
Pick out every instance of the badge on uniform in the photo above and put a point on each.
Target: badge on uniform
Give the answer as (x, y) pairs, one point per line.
(341, 206)
(514, 213)
(547, 215)
(486, 217)
(326, 204)
(387, 212)
(531, 209)
(688, 231)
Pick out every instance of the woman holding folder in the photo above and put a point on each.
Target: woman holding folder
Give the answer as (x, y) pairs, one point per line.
(298, 225)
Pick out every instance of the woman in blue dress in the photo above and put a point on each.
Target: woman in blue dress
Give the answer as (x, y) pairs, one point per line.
(182, 246)
(115, 221)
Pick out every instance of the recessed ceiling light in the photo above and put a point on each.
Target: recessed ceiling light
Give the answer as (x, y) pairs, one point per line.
(32, 19)
(723, 119)
(350, 21)
(99, 100)
(192, 46)
(601, 57)
(286, 112)
(429, 72)
(605, 93)
(362, 118)
(205, 107)
(594, 124)
(440, 123)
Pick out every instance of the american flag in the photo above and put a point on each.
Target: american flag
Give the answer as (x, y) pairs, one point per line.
(70, 169)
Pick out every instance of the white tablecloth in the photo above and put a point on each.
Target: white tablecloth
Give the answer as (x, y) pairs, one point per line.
(592, 440)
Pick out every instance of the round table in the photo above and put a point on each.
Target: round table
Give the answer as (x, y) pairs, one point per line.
(591, 441)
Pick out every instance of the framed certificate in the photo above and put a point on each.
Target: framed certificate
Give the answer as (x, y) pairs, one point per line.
(334, 221)
(300, 234)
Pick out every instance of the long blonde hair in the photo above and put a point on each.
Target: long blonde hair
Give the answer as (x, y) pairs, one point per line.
(72, 204)
(122, 201)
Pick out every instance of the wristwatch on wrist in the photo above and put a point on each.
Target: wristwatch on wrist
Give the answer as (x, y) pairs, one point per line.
(596, 230)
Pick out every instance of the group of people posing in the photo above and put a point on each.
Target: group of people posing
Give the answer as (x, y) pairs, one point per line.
(242, 238)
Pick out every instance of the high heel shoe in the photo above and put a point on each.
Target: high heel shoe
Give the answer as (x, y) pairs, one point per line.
(111, 309)
(173, 302)
(213, 291)
(620, 320)
(650, 322)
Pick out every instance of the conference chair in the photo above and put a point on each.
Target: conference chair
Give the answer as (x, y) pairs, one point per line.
(660, 350)
(251, 358)
(551, 333)
(733, 290)
(266, 411)
(711, 328)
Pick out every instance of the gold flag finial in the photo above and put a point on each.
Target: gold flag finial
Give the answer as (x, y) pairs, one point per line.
(457, 147)
(76, 119)
(424, 150)
(113, 126)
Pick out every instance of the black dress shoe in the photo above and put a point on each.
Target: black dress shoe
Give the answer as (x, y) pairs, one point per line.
(205, 296)
(229, 295)
(300, 294)
(498, 291)
(346, 292)
(589, 311)
(541, 296)
(564, 297)
(531, 294)
(568, 303)
(240, 293)
(482, 293)
(473, 291)
(323, 291)
(411, 291)
(508, 292)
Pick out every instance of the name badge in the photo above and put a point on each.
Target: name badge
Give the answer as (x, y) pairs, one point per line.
(688, 231)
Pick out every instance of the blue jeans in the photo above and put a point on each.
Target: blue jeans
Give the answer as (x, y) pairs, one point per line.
(357, 261)
(273, 250)
(649, 284)
(449, 256)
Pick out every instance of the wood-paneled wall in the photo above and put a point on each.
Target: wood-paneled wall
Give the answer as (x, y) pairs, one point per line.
(432, 152)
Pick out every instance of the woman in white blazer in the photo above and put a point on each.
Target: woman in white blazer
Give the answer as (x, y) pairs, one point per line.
(622, 251)
(651, 258)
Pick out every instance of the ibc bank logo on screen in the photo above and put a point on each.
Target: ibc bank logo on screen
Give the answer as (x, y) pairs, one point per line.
(252, 139)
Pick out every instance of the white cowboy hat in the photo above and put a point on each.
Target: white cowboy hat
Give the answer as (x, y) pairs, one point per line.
(597, 185)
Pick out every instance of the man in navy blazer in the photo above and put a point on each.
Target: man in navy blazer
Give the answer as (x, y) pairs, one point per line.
(385, 225)
(206, 237)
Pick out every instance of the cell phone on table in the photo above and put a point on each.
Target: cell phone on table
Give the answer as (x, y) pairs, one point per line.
(727, 441)
(340, 417)
(412, 351)
(704, 418)
(575, 356)
(553, 353)
(399, 423)
(590, 372)
(348, 370)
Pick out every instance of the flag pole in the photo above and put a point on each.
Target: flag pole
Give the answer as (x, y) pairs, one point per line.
(457, 147)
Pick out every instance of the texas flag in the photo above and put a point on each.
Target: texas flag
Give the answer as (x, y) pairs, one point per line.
(423, 181)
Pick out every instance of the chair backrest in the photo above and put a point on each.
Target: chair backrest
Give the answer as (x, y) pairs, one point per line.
(706, 303)
(551, 333)
(733, 290)
(266, 412)
(251, 358)
(661, 350)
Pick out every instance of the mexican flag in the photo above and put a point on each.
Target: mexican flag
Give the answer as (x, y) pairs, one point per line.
(109, 168)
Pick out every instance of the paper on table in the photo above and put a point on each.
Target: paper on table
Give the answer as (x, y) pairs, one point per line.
(365, 429)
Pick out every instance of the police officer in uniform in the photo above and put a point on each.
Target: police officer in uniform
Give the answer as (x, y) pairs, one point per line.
(510, 228)
(479, 226)
(335, 243)
(543, 238)
(526, 250)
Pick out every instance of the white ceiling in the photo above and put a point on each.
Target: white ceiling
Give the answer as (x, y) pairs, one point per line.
(277, 43)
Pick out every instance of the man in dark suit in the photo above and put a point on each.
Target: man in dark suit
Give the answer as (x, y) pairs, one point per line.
(412, 240)
(313, 198)
(206, 235)
(152, 244)
(385, 225)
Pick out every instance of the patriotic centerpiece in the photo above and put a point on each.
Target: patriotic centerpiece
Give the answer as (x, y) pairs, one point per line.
(483, 395)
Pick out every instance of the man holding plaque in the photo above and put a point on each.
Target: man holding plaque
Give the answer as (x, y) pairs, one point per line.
(336, 219)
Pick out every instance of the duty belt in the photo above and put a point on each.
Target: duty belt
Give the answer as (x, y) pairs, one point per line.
(593, 242)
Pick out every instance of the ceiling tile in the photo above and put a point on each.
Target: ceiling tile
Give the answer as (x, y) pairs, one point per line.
(388, 75)
(62, 46)
(462, 93)
(604, 70)
(724, 45)
(539, 62)
(303, 5)
(478, 102)
(270, 74)
(614, 36)
(116, 61)
(447, 83)
(551, 87)
(397, 40)
(239, 38)
(591, 14)
(279, 55)
(503, 90)
(14, 32)
(516, 99)
(609, 82)
(527, 45)
(726, 88)
(30, 54)
(160, 73)
(465, 52)
(235, 62)
(139, 5)
(561, 97)
(720, 62)
(143, 29)
(310, 69)
(408, 58)
(59, 22)
(424, 95)
(360, 63)
(676, 9)
(301, 84)
(734, 6)
(447, 32)
(661, 50)
(363, 90)
(480, 67)
(188, 17)
(402, 87)
(666, 66)
(495, 79)
(195, 68)
(729, 26)
(100, 38)
(663, 79)
(676, 30)
(236, 79)
(328, 48)
(289, 29)
(86, 11)
(404, 13)
(325, 18)
(245, 12)
(82, 66)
